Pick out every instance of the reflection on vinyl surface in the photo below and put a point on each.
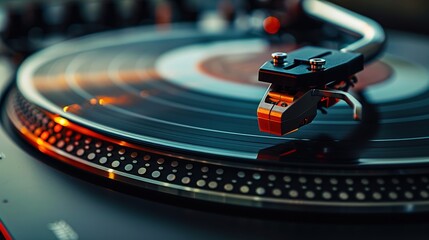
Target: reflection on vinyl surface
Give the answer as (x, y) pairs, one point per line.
(116, 86)
(163, 116)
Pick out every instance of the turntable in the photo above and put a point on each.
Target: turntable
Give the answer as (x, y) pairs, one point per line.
(151, 131)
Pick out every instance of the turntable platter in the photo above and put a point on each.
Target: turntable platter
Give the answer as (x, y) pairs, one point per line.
(180, 106)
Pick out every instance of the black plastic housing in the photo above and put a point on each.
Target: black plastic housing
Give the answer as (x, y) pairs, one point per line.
(297, 73)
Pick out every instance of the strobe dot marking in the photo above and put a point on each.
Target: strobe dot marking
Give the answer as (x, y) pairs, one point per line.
(80, 152)
(102, 160)
(121, 151)
(201, 183)
(393, 195)
(189, 166)
(380, 181)
(160, 161)
(424, 194)
(156, 174)
(256, 176)
(60, 144)
(212, 184)
(228, 187)
(293, 193)
(410, 180)
(349, 181)
(408, 195)
(277, 192)
(376, 196)
(116, 164)
(302, 180)
(318, 180)
(360, 196)
(244, 189)
(69, 148)
(186, 180)
(310, 194)
(91, 156)
(171, 177)
(260, 191)
(343, 196)
(141, 171)
(128, 167)
(287, 179)
(327, 195)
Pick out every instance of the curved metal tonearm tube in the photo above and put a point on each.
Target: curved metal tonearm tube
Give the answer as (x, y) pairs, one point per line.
(372, 34)
(312, 78)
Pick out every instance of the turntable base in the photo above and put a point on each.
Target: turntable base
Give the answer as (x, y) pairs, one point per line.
(142, 154)
(158, 118)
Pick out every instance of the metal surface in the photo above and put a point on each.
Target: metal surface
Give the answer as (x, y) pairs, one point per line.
(347, 97)
(279, 117)
(290, 102)
(317, 63)
(279, 58)
(372, 36)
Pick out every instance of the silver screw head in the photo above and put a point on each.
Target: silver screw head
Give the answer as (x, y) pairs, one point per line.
(317, 63)
(279, 58)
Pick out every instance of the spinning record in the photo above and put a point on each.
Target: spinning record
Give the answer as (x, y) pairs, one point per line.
(174, 110)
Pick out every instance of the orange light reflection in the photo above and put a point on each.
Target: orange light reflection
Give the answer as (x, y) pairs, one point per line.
(62, 121)
(72, 108)
(111, 174)
(93, 80)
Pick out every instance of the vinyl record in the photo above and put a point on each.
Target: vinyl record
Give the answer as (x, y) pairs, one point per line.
(174, 110)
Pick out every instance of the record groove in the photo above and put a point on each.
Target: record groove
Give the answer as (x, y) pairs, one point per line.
(178, 138)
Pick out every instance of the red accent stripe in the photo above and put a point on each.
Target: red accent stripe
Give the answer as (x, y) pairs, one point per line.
(4, 232)
(288, 152)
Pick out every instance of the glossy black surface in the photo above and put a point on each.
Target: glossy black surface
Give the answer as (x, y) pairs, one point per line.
(296, 71)
(135, 102)
(36, 192)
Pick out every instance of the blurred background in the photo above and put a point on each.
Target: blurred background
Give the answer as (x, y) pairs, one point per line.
(402, 15)
(29, 25)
